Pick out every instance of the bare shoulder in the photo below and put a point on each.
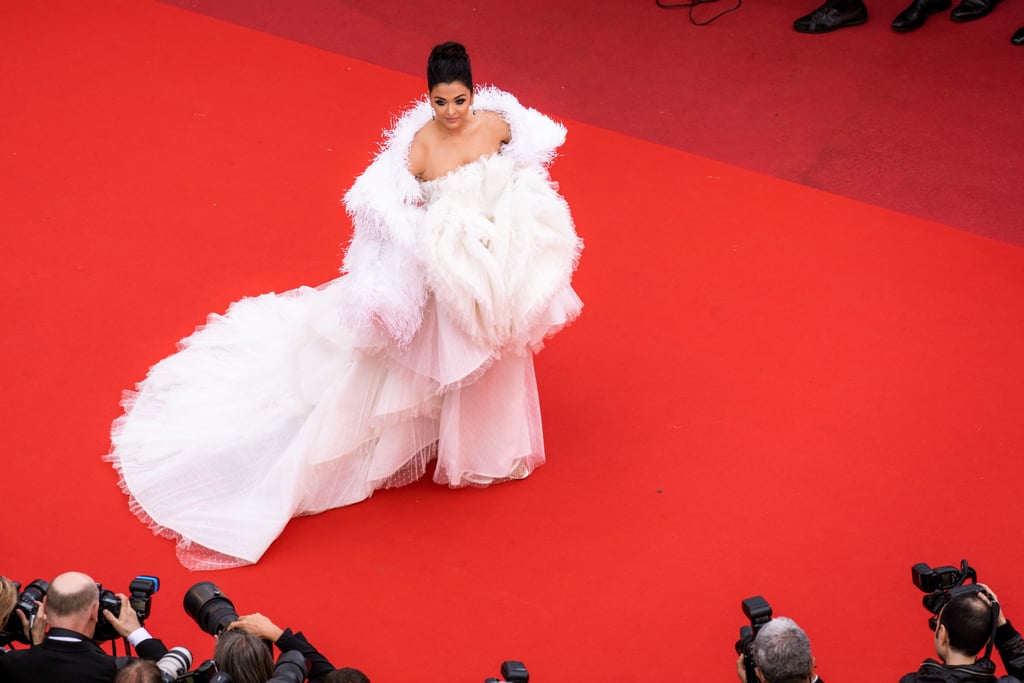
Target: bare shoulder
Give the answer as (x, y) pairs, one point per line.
(497, 125)
(419, 151)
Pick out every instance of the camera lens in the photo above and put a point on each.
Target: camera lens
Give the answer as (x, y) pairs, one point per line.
(176, 662)
(208, 607)
(32, 594)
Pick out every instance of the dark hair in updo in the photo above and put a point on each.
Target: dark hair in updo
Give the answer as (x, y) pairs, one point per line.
(449, 63)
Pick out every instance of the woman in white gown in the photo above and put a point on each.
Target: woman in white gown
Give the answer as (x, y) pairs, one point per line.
(459, 266)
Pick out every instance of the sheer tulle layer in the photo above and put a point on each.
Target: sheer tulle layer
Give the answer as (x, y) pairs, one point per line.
(278, 408)
(274, 410)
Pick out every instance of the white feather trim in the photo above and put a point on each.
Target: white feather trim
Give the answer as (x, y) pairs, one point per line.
(385, 276)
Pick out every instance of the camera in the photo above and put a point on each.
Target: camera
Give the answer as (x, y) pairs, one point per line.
(204, 673)
(942, 584)
(942, 578)
(213, 612)
(140, 596)
(209, 608)
(26, 604)
(512, 670)
(759, 612)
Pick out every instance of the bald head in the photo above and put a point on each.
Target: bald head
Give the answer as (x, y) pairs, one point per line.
(71, 594)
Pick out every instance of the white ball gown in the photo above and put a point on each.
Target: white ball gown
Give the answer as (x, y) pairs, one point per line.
(298, 402)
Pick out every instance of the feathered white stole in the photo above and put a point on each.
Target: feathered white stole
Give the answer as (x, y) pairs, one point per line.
(386, 280)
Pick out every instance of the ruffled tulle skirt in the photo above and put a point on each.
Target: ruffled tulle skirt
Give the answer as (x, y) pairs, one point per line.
(275, 409)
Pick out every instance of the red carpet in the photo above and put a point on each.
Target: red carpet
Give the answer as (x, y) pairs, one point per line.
(752, 402)
(927, 123)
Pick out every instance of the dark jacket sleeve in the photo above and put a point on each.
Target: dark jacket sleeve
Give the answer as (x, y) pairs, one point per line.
(1011, 649)
(151, 648)
(319, 666)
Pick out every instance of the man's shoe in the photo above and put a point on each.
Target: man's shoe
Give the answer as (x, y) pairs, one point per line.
(825, 19)
(1018, 37)
(969, 10)
(918, 12)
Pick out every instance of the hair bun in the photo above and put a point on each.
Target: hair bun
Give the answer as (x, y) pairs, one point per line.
(449, 62)
(452, 50)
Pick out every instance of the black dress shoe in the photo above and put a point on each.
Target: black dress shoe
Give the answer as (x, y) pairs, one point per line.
(918, 12)
(826, 18)
(1018, 37)
(968, 10)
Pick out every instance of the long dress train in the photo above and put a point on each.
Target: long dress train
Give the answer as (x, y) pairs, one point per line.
(283, 406)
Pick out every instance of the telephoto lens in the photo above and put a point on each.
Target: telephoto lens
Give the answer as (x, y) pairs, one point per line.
(209, 608)
(176, 662)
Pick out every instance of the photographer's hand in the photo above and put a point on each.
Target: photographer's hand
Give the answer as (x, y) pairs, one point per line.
(1002, 613)
(125, 623)
(741, 669)
(36, 630)
(259, 625)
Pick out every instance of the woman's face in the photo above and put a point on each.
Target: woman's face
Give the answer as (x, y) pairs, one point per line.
(451, 103)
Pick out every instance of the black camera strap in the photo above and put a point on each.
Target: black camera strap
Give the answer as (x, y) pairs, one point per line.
(995, 627)
(127, 647)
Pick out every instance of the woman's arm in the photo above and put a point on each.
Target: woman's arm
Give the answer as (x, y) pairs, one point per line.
(418, 156)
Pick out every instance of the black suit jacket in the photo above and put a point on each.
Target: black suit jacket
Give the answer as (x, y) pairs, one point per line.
(59, 661)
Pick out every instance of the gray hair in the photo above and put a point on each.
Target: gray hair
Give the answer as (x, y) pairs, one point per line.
(783, 652)
(71, 593)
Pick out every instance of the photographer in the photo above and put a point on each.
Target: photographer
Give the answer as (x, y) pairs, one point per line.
(34, 631)
(139, 671)
(244, 650)
(244, 657)
(782, 653)
(963, 628)
(285, 640)
(68, 653)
